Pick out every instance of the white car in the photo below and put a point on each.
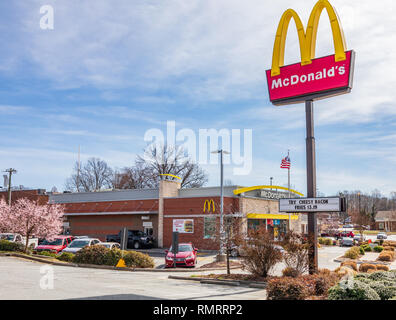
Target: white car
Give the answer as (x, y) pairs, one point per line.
(111, 245)
(16, 237)
(77, 244)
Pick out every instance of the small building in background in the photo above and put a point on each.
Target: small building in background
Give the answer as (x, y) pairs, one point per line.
(385, 220)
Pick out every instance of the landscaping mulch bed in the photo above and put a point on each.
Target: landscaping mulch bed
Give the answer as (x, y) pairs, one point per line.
(233, 264)
(236, 276)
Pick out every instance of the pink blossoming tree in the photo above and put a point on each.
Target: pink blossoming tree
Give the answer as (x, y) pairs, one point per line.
(29, 218)
(4, 213)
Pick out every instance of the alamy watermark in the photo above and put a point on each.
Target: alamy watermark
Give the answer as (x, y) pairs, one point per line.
(47, 17)
(199, 147)
(47, 280)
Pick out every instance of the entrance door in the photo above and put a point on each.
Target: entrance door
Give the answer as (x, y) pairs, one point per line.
(149, 231)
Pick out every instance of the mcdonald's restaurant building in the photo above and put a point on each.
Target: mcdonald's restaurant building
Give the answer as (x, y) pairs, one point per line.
(194, 212)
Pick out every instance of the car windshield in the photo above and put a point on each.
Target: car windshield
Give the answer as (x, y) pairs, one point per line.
(183, 248)
(79, 243)
(138, 233)
(56, 242)
(8, 237)
(107, 245)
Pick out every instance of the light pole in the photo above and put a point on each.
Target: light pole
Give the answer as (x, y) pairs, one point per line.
(271, 181)
(221, 252)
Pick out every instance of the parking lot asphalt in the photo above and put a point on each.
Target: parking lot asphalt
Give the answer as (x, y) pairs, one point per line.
(24, 278)
(23, 281)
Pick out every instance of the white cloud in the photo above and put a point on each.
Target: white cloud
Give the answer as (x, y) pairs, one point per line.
(206, 50)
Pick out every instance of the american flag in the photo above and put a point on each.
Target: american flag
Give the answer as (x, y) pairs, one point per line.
(285, 163)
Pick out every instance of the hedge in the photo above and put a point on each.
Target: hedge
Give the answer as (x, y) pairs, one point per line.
(136, 259)
(352, 290)
(366, 267)
(366, 286)
(366, 248)
(378, 248)
(101, 255)
(352, 253)
(286, 289)
(299, 288)
(65, 256)
(6, 245)
(386, 256)
(351, 264)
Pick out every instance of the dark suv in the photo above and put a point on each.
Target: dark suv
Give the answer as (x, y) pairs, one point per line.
(136, 239)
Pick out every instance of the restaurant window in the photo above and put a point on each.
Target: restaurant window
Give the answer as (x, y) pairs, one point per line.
(209, 227)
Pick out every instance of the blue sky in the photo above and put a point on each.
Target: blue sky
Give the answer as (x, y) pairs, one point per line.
(111, 70)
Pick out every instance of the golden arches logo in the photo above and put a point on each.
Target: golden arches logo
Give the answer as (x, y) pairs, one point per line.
(209, 203)
(247, 189)
(170, 175)
(307, 38)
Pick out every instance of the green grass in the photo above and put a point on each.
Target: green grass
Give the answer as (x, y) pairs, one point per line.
(373, 232)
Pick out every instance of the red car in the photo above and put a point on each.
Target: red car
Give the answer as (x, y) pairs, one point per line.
(344, 234)
(187, 256)
(58, 244)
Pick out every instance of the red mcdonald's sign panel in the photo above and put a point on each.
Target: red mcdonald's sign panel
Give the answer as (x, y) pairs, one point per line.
(324, 77)
(311, 79)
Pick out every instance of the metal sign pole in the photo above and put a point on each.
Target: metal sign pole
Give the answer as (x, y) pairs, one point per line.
(124, 238)
(311, 188)
(175, 246)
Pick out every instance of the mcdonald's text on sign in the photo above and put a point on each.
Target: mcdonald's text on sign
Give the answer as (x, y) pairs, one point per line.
(310, 205)
(312, 78)
(323, 77)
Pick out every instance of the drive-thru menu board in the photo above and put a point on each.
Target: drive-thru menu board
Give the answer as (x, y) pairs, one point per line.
(310, 205)
(183, 225)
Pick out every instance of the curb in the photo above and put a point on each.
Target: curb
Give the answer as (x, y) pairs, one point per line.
(94, 266)
(243, 283)
(364, 261)
(221, 282)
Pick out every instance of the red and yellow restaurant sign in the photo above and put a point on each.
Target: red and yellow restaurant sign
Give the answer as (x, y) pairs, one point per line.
(312, 79)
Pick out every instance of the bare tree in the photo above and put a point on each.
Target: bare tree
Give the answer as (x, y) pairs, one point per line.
(296, 252)
(94, 175)
(169, 160)
(233, 231)
(136, 177)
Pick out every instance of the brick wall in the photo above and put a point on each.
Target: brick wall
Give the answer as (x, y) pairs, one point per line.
(99, 226)
(192, 208)
(29, 194)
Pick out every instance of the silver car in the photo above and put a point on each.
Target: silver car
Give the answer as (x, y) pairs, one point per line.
(382, 236)
(347, 242)
(78, 244)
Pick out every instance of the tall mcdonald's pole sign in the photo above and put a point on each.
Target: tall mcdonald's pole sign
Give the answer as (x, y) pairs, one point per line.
(309, 80)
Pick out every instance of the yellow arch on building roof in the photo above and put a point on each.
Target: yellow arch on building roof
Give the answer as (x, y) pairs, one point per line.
(170, 175)
(242, 190)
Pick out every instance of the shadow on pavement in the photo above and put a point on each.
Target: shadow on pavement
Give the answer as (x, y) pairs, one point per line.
(119, 297)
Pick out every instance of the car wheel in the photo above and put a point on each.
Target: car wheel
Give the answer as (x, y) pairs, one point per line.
(136, 245)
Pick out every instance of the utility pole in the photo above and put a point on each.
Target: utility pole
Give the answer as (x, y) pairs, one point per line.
(221, 252)
(10, 171)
